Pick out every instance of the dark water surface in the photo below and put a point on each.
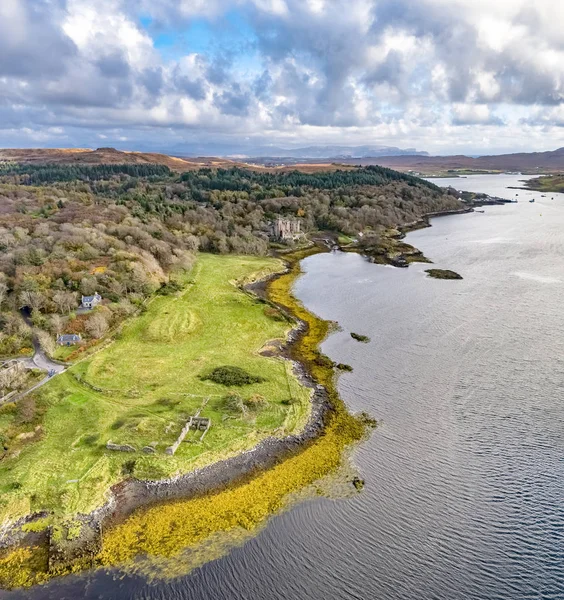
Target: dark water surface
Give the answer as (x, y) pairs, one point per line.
(464, 495)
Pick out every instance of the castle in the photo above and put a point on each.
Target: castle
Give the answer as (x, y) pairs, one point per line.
(286, 229)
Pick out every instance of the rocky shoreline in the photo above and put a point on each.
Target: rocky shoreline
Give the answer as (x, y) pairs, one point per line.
(131, 495)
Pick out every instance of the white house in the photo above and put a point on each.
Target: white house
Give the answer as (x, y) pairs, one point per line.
(69, 339)
(91, 301)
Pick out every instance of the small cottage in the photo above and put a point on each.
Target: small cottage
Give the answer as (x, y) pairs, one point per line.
(91, 301)
(69, 339)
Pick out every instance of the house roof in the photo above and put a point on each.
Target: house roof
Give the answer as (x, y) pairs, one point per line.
(96, 296)
(69, 337)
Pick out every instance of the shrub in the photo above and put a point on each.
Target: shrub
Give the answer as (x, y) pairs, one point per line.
(169, 288)
(255, 402)
(27, 410)
(274, 313)
(233, 402)
(128, 467)
(232, 376)
(90, 440)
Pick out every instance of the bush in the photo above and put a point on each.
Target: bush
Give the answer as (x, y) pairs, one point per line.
(27, 410)
(255, 402)
(90, 440)
(232, 376)
(233, 402)
(128, 467)
(274, 313)
(169, 288)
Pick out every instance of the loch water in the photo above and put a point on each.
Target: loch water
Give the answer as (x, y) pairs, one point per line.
(464, 494)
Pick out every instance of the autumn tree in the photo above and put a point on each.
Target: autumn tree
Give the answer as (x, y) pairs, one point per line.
(33, 299)
(46, 341)
(65, 301)
(97, 325)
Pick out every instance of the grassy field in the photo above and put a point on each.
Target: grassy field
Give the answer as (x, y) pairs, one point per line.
(554, 183)
(142, 388)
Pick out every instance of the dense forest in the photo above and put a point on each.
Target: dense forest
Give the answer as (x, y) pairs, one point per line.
(125, 230)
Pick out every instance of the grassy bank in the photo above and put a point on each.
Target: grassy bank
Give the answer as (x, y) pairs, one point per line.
(553, 183)
(140, 391)
(168, 530)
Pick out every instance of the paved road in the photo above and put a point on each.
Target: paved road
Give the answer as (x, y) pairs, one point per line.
(39, 360)
(42, 361)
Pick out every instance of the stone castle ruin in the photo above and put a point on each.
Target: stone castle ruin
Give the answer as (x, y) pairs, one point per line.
(286, 229)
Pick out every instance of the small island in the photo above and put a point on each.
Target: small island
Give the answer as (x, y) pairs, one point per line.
(360, 338)
(442, 274)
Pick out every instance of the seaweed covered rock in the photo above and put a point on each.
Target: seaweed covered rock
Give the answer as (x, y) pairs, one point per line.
(442, 274)
(359, 337)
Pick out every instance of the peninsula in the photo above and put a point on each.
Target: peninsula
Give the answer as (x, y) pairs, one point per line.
(167, 365)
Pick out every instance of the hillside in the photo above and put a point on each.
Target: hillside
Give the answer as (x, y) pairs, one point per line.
(525, 162)
(123, 230)
(547, 184)
(107, 156)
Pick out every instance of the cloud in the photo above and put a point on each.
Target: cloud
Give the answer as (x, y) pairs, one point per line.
(441, 75)
(474, 114)
(32, 41)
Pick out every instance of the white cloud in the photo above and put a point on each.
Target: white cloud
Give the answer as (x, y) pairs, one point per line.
(437, 74)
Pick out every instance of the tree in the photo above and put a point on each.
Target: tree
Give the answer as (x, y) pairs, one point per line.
(46, 341)
(57, 324)
(15, 325)
(35, 300)
(3, 292)
(97, 325)
(65, 301)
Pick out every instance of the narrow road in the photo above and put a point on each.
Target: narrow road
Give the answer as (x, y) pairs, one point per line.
(42, 361)
(39, 360)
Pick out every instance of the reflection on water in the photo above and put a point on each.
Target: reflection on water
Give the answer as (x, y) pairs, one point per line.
(464, 478)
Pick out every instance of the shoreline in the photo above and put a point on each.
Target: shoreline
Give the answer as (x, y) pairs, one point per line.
(132, 496)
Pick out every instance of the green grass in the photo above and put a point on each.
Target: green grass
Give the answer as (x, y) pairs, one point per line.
(546, 184)
(150, 382)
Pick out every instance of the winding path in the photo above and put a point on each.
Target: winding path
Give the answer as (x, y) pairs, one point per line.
(39, 360)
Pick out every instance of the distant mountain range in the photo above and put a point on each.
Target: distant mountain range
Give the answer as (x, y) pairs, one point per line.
(421, 163)
(309, 153)
(529, 162)
(333, 152)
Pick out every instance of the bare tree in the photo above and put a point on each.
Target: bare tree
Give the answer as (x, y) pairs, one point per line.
(65, 301)
(13, 377)
(3, 292)
(97, 325)
(35, 300)
(57, 324)
(46, 341)
(15, 325)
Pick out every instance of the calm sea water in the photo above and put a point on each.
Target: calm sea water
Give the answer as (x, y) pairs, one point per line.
(464, 495)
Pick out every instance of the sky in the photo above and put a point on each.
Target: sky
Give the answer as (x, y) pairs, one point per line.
(229, 76)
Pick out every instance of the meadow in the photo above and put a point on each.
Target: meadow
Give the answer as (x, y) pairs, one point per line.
(141, 389)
